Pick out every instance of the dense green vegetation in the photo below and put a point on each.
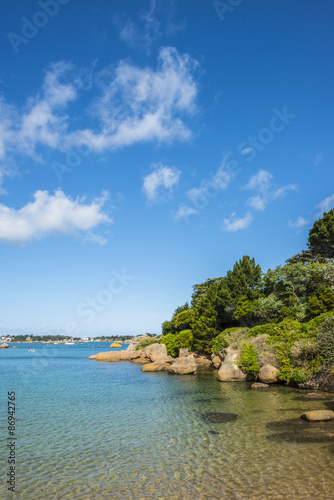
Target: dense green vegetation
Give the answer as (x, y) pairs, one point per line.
(284, 316)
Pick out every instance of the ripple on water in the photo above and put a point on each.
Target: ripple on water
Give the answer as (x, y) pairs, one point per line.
(95, 431)
(217, 417)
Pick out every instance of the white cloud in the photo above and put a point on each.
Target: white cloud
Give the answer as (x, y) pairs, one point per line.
(162, 177)
(300, 222)
(135, 105)
(51, 214)
(281, 192)
(257, 202)
(326, 204)
(183, 212)
(266, 191)
(260, 181)
(236, 224)
(140, 105)
(211, 186)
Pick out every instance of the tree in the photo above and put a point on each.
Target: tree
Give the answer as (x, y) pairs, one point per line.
(321, 236)
(205, 325)
(245, 278)
(183, 321)
(180, 309)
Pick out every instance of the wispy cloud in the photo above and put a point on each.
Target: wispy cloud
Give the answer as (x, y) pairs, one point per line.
(139, 105)
(183, 212)
(42, 120)
(209, 188)
(300, 222)
(266, 191)
(326, 204)
(318, 159)
(163, 179)
(235, 223)
(143, 31)
(135, 105)
(52, 214)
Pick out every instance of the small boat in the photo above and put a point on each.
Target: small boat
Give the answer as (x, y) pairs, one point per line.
(69, 343)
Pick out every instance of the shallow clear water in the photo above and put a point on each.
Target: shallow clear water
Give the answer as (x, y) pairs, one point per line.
(92, 430)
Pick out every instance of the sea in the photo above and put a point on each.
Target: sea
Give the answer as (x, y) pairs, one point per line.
(90, 430)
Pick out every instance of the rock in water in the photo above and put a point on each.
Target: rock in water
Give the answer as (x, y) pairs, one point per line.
(313, 395)
(153, 367)
(216, 417)
(203, 362)
(269, 374)
(109, 356)
(155, 351)
(318, 415)
(131, 347)
(229, 371)
(259, 386)
(4, 346)
(183, 366)
(135, 354)
(216, 361)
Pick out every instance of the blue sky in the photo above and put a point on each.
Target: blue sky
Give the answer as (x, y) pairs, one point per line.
(147, 146)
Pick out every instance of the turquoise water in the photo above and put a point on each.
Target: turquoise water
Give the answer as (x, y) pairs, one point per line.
(92, 430)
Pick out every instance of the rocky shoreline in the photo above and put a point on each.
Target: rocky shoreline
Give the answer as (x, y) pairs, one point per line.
(154, 358)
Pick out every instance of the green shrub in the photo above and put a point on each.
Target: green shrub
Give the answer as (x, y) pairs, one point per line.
(248, 360)
(312, 328)
(169, 341)
(219, 343)
(283, 337)
(235, 336)
(325, 343)
(145, 342)
(266, 329)
(298, 375)
(183, 339)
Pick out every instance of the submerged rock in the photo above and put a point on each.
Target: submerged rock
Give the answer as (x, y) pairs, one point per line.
(269, 374)
(229, 371)
(318, 415)
(314, 395)
(183, 366)
(216, 417)
(259, 386)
